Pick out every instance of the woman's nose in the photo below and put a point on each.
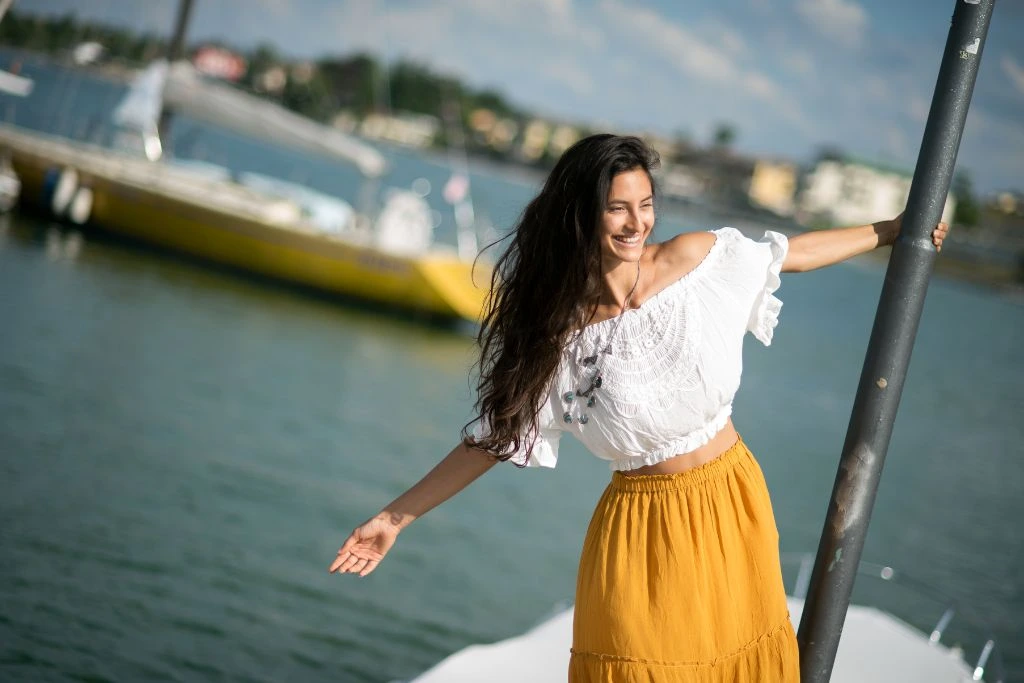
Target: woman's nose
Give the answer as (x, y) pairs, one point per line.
(636, 219)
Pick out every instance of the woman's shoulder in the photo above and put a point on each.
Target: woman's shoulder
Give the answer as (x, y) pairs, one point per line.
(679, 255)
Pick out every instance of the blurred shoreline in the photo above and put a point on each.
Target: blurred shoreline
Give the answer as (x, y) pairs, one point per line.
(971, 254)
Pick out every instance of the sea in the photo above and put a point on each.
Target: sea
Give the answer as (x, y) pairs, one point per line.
(183, 449)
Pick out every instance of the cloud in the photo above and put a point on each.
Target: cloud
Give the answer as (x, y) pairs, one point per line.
(897, 142)
(684, 51)
(798, 62)
(917, 109)
(1013, 71)
(843, 21)
(711, 55)
(572, 76)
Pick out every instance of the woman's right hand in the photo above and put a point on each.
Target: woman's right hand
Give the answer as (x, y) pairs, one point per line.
(366, 546)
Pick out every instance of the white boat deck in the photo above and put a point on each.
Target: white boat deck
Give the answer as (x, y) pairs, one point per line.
(874, 647)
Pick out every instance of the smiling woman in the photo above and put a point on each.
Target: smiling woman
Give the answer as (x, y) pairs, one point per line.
(636, 350)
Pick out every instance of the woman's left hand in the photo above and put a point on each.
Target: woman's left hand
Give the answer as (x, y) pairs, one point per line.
(938, 234)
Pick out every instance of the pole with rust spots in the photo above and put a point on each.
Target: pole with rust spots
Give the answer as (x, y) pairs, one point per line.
(889, 349)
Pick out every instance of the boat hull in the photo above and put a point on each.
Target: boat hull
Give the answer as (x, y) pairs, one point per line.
(226, 224)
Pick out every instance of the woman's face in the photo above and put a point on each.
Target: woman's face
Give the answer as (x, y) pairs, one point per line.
(628, 216)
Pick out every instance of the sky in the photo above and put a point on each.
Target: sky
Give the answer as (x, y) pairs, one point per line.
(790, 75)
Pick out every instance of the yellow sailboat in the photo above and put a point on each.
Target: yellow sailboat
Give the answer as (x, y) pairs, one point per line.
(233, 225)
(391, 260)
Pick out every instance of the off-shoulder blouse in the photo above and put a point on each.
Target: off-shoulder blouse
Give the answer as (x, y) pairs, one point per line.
(670, 368)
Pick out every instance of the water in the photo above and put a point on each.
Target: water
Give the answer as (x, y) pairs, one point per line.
(182, 451)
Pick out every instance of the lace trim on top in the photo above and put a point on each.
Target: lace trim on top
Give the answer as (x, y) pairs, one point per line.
(654, 350)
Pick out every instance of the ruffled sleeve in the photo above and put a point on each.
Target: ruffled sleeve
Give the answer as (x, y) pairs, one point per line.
(752, 268)
(764, 314)
(538, 448)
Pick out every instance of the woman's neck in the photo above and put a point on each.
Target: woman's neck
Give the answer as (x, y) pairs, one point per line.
(620, 281)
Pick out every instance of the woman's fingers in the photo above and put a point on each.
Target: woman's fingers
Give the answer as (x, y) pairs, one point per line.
(939, 234)
(352, 539)
(363, 550)
(350, 561)
(338, 561)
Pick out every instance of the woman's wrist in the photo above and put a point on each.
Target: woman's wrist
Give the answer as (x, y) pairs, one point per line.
(397, 520)
(887, 232)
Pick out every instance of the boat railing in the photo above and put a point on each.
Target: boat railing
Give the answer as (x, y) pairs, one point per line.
(990, 658)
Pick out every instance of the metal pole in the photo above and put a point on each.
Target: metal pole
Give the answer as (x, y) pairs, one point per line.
(177, 44)
(174, 52)
(888, 354)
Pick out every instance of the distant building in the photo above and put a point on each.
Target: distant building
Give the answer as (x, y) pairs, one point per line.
(563, 137)
(488, 129)
(219, 62)
(714, 175)
(87, 53)
(503, 134)
(1009, 202)
(272, 80)
(773, 186)
(413, 130)
(853, 192)
(482, 120)
(535, 140)
(302, 72)
(722, 177)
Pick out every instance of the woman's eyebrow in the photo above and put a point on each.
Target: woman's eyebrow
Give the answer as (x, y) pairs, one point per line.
(625, 201)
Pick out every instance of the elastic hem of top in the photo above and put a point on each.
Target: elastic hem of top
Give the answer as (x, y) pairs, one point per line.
(701, 474)
(690, 442)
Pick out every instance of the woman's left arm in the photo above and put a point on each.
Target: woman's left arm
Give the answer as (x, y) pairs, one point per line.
(820, 248)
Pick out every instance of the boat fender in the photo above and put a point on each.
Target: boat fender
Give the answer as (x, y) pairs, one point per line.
(80, 207)
(49, 184)
(64, 191)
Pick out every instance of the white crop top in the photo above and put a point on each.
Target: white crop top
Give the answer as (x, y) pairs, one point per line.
(674, 364)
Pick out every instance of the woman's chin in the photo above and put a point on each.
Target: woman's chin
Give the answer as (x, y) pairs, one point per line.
(624, 252)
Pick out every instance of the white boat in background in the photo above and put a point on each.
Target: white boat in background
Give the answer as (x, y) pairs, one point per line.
(875, 646)
(10, 185)
(18, 86)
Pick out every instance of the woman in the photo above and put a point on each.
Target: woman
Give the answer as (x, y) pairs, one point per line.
(635, 349)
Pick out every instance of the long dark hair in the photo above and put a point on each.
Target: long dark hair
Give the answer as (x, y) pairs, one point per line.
(545, 286)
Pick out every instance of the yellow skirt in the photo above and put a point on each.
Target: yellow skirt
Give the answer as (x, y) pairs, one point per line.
(680, 580)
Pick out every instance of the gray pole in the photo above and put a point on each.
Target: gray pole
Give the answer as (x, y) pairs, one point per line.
(888, 354)
(175, 50)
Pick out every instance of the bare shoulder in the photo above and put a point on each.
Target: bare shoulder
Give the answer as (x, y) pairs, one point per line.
(682, 253)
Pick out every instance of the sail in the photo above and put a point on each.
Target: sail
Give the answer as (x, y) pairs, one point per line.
(186, 91)
(139, 110)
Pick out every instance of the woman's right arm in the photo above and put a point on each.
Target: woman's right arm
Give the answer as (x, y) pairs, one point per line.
(369, 542)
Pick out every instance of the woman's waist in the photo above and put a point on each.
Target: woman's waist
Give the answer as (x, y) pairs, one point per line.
(722, 441)
(631, 444)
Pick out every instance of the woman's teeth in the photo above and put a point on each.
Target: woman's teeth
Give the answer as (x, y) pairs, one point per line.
(635, 239)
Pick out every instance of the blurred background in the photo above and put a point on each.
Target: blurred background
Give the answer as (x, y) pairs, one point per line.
(238, 297)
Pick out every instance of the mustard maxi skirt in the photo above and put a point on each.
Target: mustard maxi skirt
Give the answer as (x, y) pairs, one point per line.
(680, 580)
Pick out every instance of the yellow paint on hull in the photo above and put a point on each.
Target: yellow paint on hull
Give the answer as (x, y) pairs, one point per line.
(437, 283)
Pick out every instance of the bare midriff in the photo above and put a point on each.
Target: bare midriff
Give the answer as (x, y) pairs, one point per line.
(721, 442)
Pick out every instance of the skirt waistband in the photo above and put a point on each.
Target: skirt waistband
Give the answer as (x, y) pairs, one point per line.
(711, 470)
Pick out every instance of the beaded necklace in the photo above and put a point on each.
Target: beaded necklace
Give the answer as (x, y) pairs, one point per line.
(591, 373)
